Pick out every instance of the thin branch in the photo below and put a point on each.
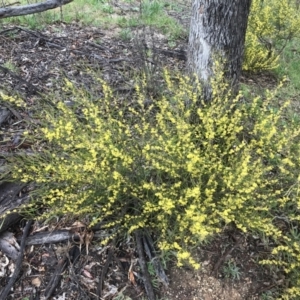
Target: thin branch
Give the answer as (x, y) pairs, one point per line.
(224, 256)
(14, 277)
(104, 272)
(143, 265)
(56, 277)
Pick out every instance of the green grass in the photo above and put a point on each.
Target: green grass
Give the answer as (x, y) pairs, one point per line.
(289, 67)
(125, 34)
(127, 14)
(11, 66)
(231, 270)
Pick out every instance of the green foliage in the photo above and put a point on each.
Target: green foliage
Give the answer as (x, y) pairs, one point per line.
(180, 167)
(267, 296)
(105, 14)
(108, 9)
(271, 24)
(126, 34)
(11, 66)
(231, 270)
(152, 13)
(289, 66)
(152, 273)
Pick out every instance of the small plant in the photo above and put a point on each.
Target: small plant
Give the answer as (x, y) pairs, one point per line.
(125, 34)
(107, 9)
(231, 270)
(121, 296)
(151, 9)
(154, 280)
(267, 296)
(10, 65)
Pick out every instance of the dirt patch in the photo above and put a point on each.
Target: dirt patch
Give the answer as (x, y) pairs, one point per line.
(199, 285)
(213, 281)
(38, 60)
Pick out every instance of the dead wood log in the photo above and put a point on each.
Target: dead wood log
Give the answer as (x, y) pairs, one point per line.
(14, 277)
(54, 237)
(104, 272)
(4, 114)
(9, 246)
(22, 10)
(9, 200)
(55, 279)
(143, 264)
(150, 251)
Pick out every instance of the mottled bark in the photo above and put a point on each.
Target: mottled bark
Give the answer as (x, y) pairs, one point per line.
(218, 29)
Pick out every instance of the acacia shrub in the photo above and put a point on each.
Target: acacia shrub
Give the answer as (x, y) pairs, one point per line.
(271, 25)
(181, 168)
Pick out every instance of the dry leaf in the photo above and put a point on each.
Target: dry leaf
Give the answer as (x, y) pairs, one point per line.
(88, 238)
(43, 228)
(4, 261)
(78, 224)
(86, 273)
(131, 277)
(89, 283)
(36, 282)
(112, 290)
(41, 269)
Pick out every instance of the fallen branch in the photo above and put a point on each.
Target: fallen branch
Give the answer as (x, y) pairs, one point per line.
(69, 258)
(9, 201)
(150, 251)
(104, 272)
(22, 10)
(54, 237)
(9, 246)
(4, 115)
(16, 273)
(56, 277)
(142, 261)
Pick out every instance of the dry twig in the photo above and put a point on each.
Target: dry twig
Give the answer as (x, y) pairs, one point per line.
(142, 261)
(16, 273)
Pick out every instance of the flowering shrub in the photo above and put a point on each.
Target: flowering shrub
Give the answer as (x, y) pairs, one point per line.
(271, 24)
(180, 167)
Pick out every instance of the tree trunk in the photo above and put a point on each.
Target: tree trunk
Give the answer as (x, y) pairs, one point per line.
(218, 29)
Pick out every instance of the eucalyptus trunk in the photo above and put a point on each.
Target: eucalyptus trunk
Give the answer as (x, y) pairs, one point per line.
(218, 29)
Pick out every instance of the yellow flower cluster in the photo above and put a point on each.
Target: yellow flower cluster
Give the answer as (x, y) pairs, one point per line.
(271, 24)
(180, 167)
(17, 101)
